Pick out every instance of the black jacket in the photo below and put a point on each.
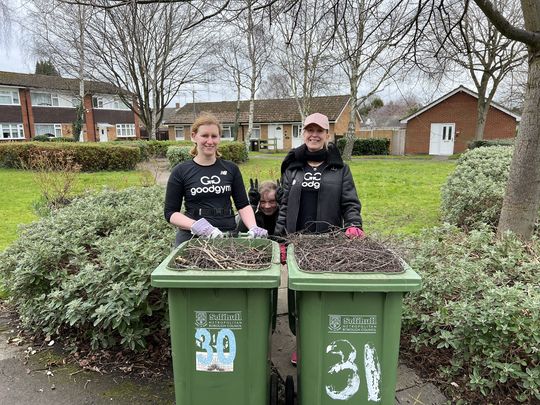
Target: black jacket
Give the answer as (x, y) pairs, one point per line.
(338, 203)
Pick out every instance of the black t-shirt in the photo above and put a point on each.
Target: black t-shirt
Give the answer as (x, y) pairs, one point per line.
(307, 214)
(209, 188)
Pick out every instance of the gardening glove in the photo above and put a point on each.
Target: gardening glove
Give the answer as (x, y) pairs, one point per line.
(203, 228)
(283, 253)
(257, 232)
(353, 232)
(279, 192)
(253, 193)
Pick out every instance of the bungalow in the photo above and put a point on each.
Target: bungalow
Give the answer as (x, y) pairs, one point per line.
(275, 120)
(32, 104)
(448, 124)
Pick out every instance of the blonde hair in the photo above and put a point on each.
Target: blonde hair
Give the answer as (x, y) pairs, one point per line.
(204, 118)
(267, 186)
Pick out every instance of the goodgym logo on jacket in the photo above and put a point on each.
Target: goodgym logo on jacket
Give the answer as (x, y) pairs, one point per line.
(210, 184)
(312, 180)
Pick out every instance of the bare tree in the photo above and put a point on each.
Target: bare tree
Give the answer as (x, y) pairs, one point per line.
(148, 50)
(365, 34)
(305, 56)
(479, 48)
(234, 69)
(275, 84)
(58, 33)
(5, 15)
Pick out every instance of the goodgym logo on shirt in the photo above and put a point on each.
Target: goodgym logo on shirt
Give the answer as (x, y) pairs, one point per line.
(312, 180)
(210, 184)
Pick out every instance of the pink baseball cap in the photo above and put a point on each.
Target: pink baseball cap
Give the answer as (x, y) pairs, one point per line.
(318, 119)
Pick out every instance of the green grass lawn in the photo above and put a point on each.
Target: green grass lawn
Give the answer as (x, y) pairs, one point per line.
(20, 192)
(398, 195)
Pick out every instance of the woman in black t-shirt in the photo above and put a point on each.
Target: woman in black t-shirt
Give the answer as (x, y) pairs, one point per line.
(205, 185)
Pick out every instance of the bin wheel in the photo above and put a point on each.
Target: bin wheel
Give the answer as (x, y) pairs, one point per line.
(273, 389)
(289, 390)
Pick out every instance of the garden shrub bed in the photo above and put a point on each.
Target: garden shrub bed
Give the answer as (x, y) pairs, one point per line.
(90, 156)
(153, 149)
(234, 151)
(82, 275)
(490, 142)
(477, 317)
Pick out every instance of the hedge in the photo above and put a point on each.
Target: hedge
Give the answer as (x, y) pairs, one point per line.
(90, 156)
(367, 146)
(156, 149)
(234, 151)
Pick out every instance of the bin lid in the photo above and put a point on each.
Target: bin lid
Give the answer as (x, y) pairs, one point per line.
(299, 280)
(166, 277)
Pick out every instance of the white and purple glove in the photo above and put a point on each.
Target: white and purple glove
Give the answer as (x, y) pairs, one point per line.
(257, 232)
(203, 228)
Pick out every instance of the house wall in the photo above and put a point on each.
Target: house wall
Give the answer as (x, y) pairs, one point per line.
(26, 112)
(342, 123)
(89, 129)
(461, 110)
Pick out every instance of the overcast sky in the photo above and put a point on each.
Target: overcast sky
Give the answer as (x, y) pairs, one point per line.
(15, 56)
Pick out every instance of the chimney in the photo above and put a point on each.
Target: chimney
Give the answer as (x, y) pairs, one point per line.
(177, 106)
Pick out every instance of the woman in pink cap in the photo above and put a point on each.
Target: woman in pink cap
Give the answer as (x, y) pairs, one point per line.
(318, 188)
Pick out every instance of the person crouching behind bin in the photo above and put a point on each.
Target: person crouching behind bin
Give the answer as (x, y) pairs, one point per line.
(263, 201)
(205, 185)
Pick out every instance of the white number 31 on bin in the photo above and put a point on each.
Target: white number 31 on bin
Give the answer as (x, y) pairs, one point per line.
(348, 368)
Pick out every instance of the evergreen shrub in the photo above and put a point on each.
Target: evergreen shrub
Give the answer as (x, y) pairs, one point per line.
(367, 146)
(474, 192)
(178, 154)
(82, 275)
(478, 313)
(490, 142)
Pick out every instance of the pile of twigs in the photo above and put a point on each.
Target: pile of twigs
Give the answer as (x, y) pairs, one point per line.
(224, 254)
(334, 252)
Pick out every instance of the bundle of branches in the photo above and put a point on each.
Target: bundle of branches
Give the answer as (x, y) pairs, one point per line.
(336, 253)
(224, 254)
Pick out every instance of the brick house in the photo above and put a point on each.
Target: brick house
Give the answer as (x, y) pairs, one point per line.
(33, 105)
(448, 124)
(275, 120)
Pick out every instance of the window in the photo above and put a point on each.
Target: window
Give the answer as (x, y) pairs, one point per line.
(296, 130)
(125, 130)
(256, 132)
(118, 104)
(44, 99)
(9, 97)
(97, 102)
(179, 133)
(227, 132)
(51, 130)
(11, 131)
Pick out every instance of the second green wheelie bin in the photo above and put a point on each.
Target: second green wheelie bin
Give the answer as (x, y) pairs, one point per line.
(220, 325)
(347, 328)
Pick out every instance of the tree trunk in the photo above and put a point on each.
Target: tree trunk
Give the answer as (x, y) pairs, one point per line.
(236, 125)
(521, 201)
(482, 109)
(350, 137)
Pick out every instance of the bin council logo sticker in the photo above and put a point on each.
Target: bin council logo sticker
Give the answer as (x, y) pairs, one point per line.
(352, 323)
(215, 340)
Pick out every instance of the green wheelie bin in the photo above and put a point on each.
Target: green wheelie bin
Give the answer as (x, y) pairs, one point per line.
(347, 328)
(220, 326)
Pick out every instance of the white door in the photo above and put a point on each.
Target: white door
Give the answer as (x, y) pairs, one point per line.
(297, 136)
(276, 131)
(102, 130)
(441, 139)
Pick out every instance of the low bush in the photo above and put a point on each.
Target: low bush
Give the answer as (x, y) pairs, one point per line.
(235, 151)
(82, 275)
(490, 142)
(90, 157)
(473, 193)
(367, 146)
(153, 149)
(62, 139)
(178, 154)
(478, 314)
(41, 138)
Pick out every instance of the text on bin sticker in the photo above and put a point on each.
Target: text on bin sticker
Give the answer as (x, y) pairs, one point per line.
(352, 324)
